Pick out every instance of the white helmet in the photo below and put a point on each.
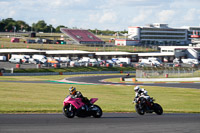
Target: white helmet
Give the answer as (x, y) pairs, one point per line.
(136, 88)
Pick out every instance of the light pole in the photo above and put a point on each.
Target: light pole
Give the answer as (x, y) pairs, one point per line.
(14, 27)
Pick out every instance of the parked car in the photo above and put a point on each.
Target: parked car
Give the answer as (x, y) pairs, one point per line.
(15, 60)
(41, 58)
(2, 58)
(33, 61)
(24, 58)
(74, 64)
(93, 62)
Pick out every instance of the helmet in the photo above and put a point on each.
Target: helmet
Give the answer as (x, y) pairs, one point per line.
(72, 90)
(136, 88)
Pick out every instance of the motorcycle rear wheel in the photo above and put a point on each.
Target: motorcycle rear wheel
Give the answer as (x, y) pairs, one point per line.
(158, 109)
(97, 113)
(68, 113)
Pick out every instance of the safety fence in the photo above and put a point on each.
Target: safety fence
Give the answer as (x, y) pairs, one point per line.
(168, 73)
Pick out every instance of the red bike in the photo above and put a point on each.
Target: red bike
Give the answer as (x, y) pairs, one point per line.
(76, 107)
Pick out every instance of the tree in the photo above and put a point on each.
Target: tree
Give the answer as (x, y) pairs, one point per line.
(2, 25)
(49, 28)
(7, 24)
(58, 28)
(40, 26)
(21, 25)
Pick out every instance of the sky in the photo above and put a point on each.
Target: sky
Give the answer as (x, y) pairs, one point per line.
(103, 14)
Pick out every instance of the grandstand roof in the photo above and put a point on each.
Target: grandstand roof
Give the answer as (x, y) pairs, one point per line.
(82, 36)
(67, 52)
(20, 51)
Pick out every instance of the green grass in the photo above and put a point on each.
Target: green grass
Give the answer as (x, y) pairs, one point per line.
(8, 45)
(5, 43)
(43, 98)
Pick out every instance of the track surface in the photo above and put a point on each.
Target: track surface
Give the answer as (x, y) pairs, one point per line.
(98, 80)
(109, 123)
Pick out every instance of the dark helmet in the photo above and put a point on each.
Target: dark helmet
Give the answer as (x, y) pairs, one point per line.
(72, 90)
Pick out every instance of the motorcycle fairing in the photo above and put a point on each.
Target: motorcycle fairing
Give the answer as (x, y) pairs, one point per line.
(76, 102)
(93, 100)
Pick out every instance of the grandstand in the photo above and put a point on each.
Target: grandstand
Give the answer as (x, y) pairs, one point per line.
(82, 36)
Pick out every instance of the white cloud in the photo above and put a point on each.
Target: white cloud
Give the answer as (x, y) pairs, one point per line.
(11, 13)
(191, 14)
(53, 21)
(103, 17)
(108, 17)
(166, 16)
(142, 17)
(94, 17)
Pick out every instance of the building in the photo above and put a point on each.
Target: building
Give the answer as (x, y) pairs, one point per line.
(9, 52)
(181, 52)
(69, 53)
(159, 34)
(193, 34)
(125, 42)
(82, 36)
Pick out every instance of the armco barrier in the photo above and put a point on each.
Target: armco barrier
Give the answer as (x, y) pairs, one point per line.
(63, 73)
(30, 74)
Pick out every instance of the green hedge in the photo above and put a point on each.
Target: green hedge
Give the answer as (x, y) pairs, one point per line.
(74, 69)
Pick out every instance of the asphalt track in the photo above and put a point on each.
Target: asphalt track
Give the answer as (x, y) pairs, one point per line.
(109, 123)
(98, 80)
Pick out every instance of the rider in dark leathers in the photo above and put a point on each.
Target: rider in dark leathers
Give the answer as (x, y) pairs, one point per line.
(78, 94)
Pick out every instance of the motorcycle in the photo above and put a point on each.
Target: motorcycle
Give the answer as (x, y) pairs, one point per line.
(147, 106)
(76, 107)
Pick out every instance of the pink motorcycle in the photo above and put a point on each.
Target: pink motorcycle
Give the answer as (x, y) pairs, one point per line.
(75, 107)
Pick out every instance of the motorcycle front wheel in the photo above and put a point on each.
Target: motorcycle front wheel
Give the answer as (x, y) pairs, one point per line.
(138, 110)
(158, 109)
(96, 111)
(68, 111)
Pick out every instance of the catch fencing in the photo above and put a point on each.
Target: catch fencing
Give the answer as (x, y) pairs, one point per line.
(167, 73)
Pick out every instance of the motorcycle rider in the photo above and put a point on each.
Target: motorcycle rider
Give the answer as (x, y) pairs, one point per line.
(140, 92)
(78, 94)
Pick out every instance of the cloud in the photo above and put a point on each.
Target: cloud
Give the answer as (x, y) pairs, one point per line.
(191, 15)
(184, 4)
(166, 15)
(142, 17)
(103, 17)
(53, 21)
(108, 17)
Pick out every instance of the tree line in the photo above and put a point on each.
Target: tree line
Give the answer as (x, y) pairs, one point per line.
(10, 25)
